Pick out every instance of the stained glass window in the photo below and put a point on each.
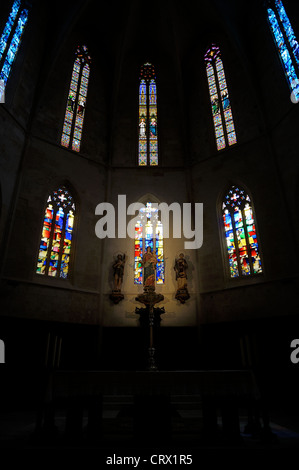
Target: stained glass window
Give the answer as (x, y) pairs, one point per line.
(149, 232)
(57, 234)
(286, 43)
(220, 102)
(76, 102)
(148, 136)
(11, 38)
(240, 233)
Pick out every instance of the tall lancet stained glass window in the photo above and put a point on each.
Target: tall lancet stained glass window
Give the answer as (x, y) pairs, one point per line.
(76, 102)
(57, 234)
(148, 135)
(220, 102)
(286, 43)
(11, 38)
(240, 233)
(149, 232)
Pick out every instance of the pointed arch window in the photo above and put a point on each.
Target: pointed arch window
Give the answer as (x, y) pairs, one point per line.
(149, 232)
(148, 135)
(220, 102)
(286, 43)
(240, 233)
(76, 102)
(11, 37)
(57, 234)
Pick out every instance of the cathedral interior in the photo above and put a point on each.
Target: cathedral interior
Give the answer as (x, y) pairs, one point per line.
(167, 102)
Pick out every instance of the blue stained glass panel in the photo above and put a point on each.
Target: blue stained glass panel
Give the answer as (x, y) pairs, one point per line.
(239, 225)
(216, 80)
(8, 26)
(230, 127)
(145, 231)
(75, 109)
(218, 131)
(232, 139)
(228, 114)
(217, 120)
(54, 247)
(152, 92)
(67, 129)
(220, 143)
(142, 92)
(64, 267)
(288, 29)
(221, 75)
(159, 254)
(65, 140)
(148, 134)
(14, 45)
(222, 85)
(154, 159)
(211, 77)
(213, 89)
(138, 253)
(230, 242)
(283, 51)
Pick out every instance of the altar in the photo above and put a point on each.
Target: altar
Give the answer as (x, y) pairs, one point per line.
(222, 393)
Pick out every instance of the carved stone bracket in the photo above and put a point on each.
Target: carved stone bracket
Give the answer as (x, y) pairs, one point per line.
(182, 295)
(116, 296)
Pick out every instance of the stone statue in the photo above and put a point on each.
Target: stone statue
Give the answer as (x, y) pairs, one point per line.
(180, 267)
(118, 275)
(149, 262)
(118, 271)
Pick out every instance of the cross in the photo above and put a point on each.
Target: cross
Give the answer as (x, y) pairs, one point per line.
(62, 197)
(235, 197)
